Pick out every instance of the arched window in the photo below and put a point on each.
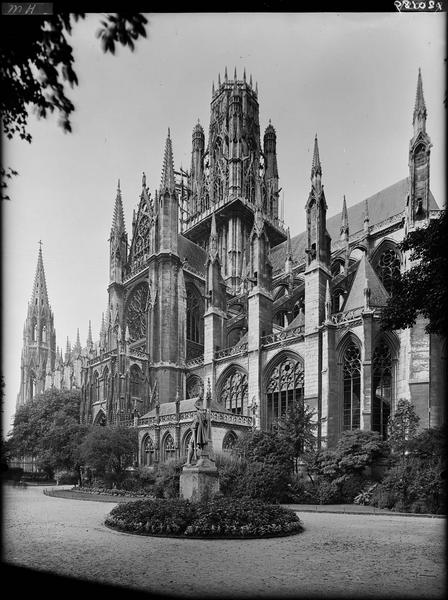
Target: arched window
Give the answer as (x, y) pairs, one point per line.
(44, 333)
(234, 392)
(169, 451)
(96, 387)
(35, 332)
(100, 419)
(32, 384)
(351, 369)
(135, 381)
(106, 384)
(388, 267)
(147, 452)
(195, 386)
(186, 441)
(194, 317)
(338, 300)
(382, 388)
(136, 312)
(284, 387)
(229, 441)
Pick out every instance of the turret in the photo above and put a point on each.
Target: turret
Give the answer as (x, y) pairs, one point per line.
(271, 170)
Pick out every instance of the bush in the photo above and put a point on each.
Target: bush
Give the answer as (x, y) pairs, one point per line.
(223, 517)
(167, 480)
(66, 477)
(40, 477)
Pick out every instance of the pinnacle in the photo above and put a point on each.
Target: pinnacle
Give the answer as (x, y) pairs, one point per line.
(40, 284)
(118, 216)
(419, 99)
(168, 182)
(316, 166)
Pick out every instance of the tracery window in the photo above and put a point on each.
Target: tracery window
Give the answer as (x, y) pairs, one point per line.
(136, 313)
(96, 387)
(388, 268)
(185, 443)
(194, 317)
(284, 388)
(229, 441)
(234, 392)
(382, 388)
(148, 452)
(351, 368)
(169, 450)
(106, 384)
(135, 380)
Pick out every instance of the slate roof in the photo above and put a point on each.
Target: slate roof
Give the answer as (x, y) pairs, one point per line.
(378, 295)
(169, 408)
(382, 205)
(195, 255)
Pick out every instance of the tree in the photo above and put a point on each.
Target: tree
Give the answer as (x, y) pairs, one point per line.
(109, 449)
(36, 63)
(402, 427)
(422, 290)
(48, 428)
(297, 431)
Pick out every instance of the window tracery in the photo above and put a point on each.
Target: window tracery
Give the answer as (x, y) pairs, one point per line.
(195, 387)
(229, 441)
(284, 387)
(194, 317)
(234, 392)
(351, 368)
(136, 317)
(388, 268)
(135, 381)
(148, 451)
(382, 388)
(169, 450)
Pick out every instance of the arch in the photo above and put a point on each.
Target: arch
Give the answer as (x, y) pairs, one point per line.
(383, 384)
(147, 451)
(34, 331)
(195, 315)
(194, 386)
(283, 384)
(32, 384)
(232, 389)
(338, 299)
(44, 333)
(185, 441)
(386, 261)
(168, 448)
(229, 442)
(106, 383)
(100, 418)
(357, 253)
(135, 381)
(349, 362)
(96, 387)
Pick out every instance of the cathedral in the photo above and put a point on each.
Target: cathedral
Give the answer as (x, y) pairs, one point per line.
(210, 297)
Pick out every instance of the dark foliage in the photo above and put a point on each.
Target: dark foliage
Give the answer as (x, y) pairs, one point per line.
(109, 450)
(219, 517)
(422, 289)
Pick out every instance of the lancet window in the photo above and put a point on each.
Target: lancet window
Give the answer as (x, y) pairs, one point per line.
(194, 317)
(351, 369)
(234, 392)
(169, 450)
(382, 388)
(284, 387)
(148, 452)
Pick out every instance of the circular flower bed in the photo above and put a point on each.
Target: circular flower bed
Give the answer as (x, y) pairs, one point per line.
(223, 517)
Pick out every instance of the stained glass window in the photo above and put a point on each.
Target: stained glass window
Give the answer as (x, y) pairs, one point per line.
(351, 367)
(284, 387)
(194, 320)
(148, 452)
(382, 388)
(135, 381)
(136, 317)
(234, 392)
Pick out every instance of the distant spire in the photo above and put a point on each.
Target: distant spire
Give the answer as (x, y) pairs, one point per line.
(118, 217)
(78, 347)
(40, 285)
(288, 244)
(316, 167)
(89, 335)
(219, 80)
(366, 215)
(168, 182)
(234, 75)
(256, 88)
(68, 350)
(250, 80)
(344, 220)
(244, 75)
(420, 106)
(213, 88)
(143, 180)
(225, 74)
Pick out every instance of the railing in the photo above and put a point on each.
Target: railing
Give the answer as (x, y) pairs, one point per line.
(286, 334)
(347, 316)
(216, 416)
(187, 267)
(241, 349)
(231, 419)
(136, 271)
(101, 357)
(194, 362)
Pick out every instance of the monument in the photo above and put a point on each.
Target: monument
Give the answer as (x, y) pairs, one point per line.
(199, 477)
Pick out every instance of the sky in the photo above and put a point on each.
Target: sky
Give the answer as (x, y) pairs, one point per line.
(350, 78)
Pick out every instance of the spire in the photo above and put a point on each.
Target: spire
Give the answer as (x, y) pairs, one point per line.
(234, 75)
(168, 182)
(420, 106)
(68, 350)
(288, 260)
(250, 80)
(225, 74)
(213, 240)
(316, 167)
(213, 88)
(366, 215)
(118, 218)
(244, 75)
(344, 221)
(40, 285)
(327, 301)
(89, 336)
(78, 347)
(219, 80)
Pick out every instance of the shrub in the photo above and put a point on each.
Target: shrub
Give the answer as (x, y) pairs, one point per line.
(167, 479)
(220, 517)
(66, 477)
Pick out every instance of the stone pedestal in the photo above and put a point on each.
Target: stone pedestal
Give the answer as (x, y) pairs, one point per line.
(200, 481)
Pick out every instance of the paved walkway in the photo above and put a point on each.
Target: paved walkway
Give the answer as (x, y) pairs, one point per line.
(341, 555)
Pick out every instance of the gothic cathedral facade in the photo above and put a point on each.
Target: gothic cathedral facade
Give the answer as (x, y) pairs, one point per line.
(210, 297)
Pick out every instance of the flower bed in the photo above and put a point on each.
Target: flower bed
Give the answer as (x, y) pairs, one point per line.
(111, 492)
(223, 517)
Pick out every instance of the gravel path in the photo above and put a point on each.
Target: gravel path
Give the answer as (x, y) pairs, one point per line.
(365, 556)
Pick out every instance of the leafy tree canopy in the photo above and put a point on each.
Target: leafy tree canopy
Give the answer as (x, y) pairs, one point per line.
(48, 428)
(109, 449)
(422, 290)
(37, 63)
(402, 427)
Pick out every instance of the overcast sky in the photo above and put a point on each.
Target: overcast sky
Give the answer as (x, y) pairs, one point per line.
(350, 78)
